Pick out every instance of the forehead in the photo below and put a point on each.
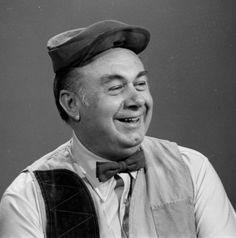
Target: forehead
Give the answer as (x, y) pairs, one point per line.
(114, 61)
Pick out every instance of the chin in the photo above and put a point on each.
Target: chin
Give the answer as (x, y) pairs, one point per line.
(134, 141)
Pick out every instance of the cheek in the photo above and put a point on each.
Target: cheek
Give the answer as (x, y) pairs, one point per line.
(100, 115)
(108, 106)
(149, 100)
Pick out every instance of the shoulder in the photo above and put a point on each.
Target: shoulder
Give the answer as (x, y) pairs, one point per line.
(20, 206)
(23, 185)
(53, 160)
(197, 164)
(20, 186)
(191, 157)
(204, 177)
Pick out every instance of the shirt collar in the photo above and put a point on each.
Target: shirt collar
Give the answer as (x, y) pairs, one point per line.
(86, 160)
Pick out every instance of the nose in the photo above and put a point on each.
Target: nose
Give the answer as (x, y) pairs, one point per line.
(134, 99)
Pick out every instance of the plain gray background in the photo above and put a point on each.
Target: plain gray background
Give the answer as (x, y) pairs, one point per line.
(191, 59)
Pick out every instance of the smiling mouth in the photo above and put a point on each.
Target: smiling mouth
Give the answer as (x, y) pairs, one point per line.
(129, 119)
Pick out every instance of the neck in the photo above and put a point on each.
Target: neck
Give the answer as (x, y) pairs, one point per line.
(113, 155)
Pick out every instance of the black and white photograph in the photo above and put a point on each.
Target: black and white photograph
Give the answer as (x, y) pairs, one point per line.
(118, 119)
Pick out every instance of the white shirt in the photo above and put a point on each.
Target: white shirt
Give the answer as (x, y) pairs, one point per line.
(22, 214)
(109, 209)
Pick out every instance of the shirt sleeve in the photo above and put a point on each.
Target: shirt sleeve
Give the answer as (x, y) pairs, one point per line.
(19, 210)
(214, 214)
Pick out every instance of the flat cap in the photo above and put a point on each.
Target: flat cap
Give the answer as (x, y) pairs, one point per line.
(76, 47)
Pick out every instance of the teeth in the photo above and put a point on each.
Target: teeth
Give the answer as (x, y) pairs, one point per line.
(131, 119)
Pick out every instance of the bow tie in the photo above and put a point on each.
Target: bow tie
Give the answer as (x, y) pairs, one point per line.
(106, 170)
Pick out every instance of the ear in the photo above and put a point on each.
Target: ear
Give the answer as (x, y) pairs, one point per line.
(70, 103)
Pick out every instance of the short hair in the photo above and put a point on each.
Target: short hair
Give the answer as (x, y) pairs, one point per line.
(67, 80)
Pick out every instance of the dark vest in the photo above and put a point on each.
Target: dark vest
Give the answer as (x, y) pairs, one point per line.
(69, 207)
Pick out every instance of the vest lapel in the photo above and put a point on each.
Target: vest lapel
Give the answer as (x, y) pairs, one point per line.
(162, 199)
(140, 216)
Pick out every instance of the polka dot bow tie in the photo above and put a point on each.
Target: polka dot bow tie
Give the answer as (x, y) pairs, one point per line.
(106, 170)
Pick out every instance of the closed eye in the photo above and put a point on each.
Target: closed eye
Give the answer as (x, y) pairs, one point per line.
(117, 87)
(141, 85)
(114, 90)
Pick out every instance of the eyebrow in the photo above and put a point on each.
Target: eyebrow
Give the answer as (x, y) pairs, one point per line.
(109, 77)
(142, 73)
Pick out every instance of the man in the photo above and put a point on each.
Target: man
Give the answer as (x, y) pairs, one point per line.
(110, 180)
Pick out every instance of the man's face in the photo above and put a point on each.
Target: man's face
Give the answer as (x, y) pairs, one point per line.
(118, 111)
